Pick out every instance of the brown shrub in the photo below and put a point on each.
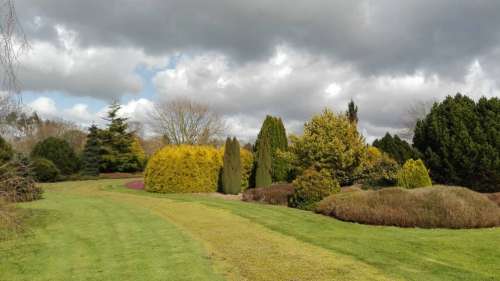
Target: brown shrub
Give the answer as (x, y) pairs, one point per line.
(429, 207)
(495, 197)
(275, 194)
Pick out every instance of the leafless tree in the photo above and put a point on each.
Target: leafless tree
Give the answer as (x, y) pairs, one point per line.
(416, 111)
(183, 121)
(13, 43)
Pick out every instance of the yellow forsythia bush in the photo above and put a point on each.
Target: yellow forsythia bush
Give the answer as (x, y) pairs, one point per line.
(188, 169)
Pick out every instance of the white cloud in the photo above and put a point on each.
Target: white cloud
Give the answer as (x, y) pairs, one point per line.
(246, 93)
(45, 106)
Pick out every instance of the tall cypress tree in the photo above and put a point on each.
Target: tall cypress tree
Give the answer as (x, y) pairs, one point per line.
(91, 157)
(274, 130)
(263, 173)
(352, 112)
(231, 173)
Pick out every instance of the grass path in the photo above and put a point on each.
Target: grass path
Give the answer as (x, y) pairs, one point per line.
(97, 230)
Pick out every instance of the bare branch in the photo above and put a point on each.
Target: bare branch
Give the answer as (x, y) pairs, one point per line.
(182, 121)
(13, 43)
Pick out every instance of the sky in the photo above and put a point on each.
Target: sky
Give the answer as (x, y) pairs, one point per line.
(247, 59)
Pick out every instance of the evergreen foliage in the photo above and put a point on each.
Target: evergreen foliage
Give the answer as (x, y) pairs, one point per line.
(311, 187)
(330, 142)
(183, 169)
(352, 112)
(59, 152)
(231, 174)
(413, 174)
(44, 170)
(17, 183)
(397, 148)
(459, 140)
(378, 169)
(116, 145)
(263, 176)
(6, 151)
(91, 157)
(274, 130)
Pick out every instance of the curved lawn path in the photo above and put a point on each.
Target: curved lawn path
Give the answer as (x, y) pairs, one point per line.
(99, 230)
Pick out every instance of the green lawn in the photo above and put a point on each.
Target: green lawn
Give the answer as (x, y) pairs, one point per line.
(98, 230)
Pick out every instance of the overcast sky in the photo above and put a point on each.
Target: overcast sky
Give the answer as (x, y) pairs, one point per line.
(247, 59)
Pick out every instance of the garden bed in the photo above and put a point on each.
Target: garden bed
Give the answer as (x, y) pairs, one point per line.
(428, 207)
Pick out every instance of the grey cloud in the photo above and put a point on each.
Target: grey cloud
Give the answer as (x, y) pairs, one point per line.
(376, 36)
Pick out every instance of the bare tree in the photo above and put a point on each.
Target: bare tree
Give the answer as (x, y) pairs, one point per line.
(13, 43)
(183, 121)
(416, 111)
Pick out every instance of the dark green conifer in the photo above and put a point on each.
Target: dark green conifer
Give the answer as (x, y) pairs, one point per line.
(263, 176)
(91, 157)
(352, 112)
(274, 130)
(231, 173)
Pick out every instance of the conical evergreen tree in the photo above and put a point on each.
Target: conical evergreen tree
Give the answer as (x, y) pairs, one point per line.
(352, 112)
(231, 173)
(263, 173)
(91, 157)
(275, 131)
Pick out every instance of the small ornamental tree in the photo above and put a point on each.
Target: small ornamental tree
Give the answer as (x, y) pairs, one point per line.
(263, 163)
(91, 157)
(59, 152)
(311, 187)
(274, 130)
(413, 174)
(231, 173)
(330, 142)
(116, 145)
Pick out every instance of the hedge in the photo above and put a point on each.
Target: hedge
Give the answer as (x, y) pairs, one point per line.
(189, 169)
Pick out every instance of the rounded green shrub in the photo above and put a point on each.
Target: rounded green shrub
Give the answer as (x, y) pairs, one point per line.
(413, 174)
(184, 169)
(59, 152)
(44, 170)
(311, 187)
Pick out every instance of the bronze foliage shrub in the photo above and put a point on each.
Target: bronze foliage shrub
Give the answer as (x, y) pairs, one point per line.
(278, 194)
(190, 169)
(429, 207)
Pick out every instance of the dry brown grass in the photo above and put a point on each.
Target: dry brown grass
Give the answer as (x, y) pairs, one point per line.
(276, 194)
(495, 197)
(428, 207)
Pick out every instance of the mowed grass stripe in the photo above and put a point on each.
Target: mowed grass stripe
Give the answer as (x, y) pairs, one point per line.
(247, 251)
(405, 253)
(75, 237)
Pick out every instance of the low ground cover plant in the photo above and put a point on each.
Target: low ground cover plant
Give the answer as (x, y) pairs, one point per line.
(429, 207)
(277, 194)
